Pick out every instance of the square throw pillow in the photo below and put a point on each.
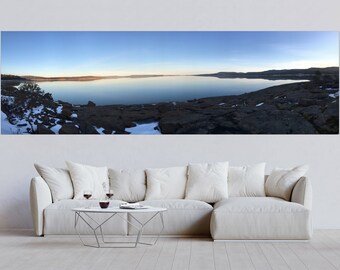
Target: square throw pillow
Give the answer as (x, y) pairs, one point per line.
(58, 180)
(207, 182)
(166, 183)
(88, 178)
(280, 182)
(247, 181)
(128, 185)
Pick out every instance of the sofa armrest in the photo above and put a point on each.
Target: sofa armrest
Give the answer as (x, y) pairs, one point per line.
(302, 193)
(40, 198)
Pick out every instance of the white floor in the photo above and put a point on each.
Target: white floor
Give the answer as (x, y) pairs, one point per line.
(24, 251)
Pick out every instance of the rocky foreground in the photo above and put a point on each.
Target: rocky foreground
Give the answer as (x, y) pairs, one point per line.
(297, 108)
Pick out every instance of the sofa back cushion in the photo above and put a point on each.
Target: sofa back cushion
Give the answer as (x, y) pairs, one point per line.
(247, 181)
(166, 183)
(58, 180)
(128, 185)
(88, 178)
(207, 182)
(280, 182)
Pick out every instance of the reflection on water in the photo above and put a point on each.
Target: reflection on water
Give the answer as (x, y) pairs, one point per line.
(152, 90)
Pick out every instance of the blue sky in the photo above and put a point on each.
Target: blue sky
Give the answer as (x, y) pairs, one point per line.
(126, 53)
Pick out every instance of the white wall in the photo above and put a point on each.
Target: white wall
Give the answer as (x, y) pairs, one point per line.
(18, 153)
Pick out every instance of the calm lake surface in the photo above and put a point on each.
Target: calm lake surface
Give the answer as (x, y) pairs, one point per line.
(152, 90)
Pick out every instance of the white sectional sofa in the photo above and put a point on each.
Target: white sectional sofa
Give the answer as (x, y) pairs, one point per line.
(239, 217)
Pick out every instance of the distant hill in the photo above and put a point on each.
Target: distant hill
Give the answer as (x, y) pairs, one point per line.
(11, 77)
(294, 74)
(278, 74)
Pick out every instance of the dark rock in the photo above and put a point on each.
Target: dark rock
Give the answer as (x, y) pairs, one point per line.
(65, 114)
(41, 129)
(48, 96)
(46, 120)
(224, 126)
(165, 107)
(284, 106)
(69, 128)
(87, 128)
(175, 121)
(91, 104)
(60, 122)
(276, 122)
(310, 113)
(308, 102)
(328, 121)
(122, 132)
(316, 89)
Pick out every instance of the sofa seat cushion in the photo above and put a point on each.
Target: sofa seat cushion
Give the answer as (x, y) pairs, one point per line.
(183, 217)
(59, 218)
(260, 218)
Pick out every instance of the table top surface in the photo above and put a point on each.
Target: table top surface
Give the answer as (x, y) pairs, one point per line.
(147, 209)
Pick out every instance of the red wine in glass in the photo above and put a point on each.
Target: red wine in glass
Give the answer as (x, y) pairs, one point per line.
(109, 194)
(87, 195)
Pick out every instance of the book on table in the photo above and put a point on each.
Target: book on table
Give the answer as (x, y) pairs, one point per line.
(132, 206)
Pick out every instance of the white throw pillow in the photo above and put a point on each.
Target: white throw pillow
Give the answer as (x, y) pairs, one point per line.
(280, 182)
(85, 177)
(128, 185)
(166, 183)
(247, 181)
(58, 180)
(207, 182)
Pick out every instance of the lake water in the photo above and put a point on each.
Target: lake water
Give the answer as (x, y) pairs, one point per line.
(152, 90)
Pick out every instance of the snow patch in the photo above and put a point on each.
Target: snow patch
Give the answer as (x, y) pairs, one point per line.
(37, 110)
(221, 104)
(335, 95)
(7, 127)
(74, 115)
(8, 100)
(260, 104)
(59, 109)
(56, 128)
(100, 130)
(148, 128)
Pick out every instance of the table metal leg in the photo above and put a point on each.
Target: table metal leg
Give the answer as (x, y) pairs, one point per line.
(77, 216)
(142, 225)
(137, 225)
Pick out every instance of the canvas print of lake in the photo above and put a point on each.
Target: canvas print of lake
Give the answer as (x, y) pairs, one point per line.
(169, 82)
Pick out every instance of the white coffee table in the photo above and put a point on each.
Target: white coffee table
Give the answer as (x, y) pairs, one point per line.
(84, 214)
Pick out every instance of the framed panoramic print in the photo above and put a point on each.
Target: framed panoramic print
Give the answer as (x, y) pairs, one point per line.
(169, 82)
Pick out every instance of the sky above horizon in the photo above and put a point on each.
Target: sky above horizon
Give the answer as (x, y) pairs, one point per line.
(171, 53)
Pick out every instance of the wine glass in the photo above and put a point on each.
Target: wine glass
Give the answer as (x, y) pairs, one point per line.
(87, 194)
(109, 194)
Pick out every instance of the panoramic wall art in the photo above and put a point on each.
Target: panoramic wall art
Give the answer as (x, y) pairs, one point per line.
(169, 82)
